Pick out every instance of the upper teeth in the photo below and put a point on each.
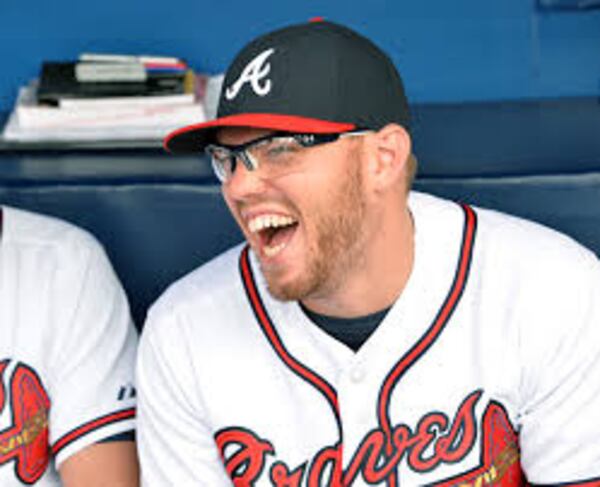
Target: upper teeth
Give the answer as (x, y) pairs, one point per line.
(269, 221)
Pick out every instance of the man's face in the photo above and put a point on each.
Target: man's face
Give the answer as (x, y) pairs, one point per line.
(305, 222)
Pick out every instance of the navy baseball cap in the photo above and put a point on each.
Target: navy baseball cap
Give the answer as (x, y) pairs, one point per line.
(315, 77)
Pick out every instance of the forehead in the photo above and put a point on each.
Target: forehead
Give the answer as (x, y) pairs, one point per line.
(239, 135)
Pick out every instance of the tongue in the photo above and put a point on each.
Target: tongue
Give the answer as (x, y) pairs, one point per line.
(281, 235)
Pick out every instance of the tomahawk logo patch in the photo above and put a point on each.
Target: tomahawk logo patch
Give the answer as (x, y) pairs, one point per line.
(24, 405)
(254, 73)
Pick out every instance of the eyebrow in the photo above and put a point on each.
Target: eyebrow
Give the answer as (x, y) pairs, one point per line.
(243, 145)
(217, 135)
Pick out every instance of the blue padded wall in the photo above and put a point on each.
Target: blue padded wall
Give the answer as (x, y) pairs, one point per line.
(161, 216)
(447, 51)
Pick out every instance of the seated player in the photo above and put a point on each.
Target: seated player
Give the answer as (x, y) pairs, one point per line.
(365, 334)
(67, 350)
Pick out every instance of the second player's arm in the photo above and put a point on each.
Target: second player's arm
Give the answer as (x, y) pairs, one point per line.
(93, 397)
(111, 464)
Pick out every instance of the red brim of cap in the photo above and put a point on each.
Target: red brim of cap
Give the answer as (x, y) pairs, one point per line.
(193, 138)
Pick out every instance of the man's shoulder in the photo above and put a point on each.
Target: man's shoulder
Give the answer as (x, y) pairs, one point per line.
(216, 281)
(531, 243)
(517, 246)
(204, 307)
(29, 232)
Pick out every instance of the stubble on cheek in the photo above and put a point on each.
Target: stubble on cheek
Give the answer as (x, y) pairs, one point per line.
(334, 237)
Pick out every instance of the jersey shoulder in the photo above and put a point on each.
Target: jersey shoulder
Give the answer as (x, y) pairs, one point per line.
(535, 249)
(207, 292)
(522, 248)
(538, 278)
(25, 230)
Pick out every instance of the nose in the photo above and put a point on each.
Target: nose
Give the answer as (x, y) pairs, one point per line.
(243, 183)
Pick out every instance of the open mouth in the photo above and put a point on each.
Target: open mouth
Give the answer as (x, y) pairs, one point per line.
(274, 232)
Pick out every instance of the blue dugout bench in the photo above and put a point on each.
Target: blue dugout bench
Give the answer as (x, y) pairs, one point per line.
(160, 216)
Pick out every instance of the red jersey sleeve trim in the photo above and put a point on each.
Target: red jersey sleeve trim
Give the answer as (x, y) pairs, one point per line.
(93, 425)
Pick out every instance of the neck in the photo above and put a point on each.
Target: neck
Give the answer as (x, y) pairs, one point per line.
(375, 280)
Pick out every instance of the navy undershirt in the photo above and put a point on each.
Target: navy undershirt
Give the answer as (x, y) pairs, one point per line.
(125, 436)
(353, 332)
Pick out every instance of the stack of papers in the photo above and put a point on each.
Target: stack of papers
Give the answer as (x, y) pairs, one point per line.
(107, 99)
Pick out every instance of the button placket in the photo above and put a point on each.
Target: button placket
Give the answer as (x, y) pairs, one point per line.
(357, 373)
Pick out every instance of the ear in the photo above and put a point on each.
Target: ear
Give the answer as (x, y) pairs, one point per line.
(389, 152)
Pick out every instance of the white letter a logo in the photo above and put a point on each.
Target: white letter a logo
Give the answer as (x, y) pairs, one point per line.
(254, 72)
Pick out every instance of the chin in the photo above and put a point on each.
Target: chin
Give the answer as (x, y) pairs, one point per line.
(289, 289)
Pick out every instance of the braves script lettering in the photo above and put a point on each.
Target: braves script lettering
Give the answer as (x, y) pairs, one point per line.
(436, 440)
(25, 441)
(253, 73)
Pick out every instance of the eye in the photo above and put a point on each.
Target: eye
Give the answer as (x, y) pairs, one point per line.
(223, 162)
(279, 147)
(219, 153)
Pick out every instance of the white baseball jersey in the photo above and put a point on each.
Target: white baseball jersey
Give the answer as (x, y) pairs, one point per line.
(486, 371)
(67, 348)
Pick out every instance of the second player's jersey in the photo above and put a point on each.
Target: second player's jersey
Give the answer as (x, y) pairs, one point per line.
(486, 371)
(67, 348)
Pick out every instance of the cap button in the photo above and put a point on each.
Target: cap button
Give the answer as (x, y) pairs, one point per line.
(317, 19)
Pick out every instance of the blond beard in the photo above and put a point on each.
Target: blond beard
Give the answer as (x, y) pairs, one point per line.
(339, 227)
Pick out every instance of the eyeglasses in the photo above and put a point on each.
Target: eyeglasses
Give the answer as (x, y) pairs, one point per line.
(275, 152)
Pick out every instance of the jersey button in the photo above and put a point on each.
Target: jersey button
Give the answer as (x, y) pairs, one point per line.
(357, 374)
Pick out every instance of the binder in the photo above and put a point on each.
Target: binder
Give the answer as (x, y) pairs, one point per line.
(58, 80)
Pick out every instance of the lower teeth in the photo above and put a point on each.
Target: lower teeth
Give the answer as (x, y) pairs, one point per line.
(271, 251)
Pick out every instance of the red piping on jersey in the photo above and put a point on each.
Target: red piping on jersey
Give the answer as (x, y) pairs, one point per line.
(432, 333)
(274, 339)
(91, 426)
(405, 362)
